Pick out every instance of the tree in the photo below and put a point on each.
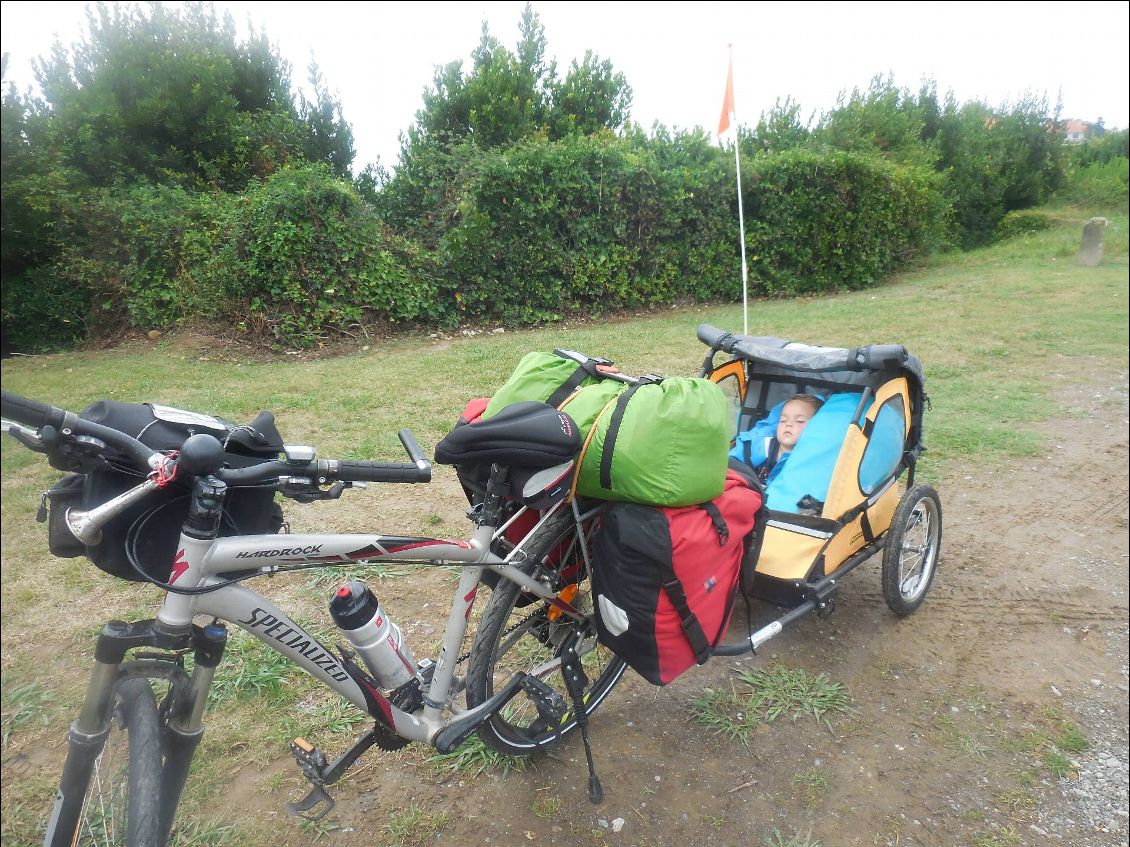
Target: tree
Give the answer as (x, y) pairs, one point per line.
(507, 98)
(883, 119)
(780, 129)
(160, 94)
(511, 96)
(591, 97)
(328, 137)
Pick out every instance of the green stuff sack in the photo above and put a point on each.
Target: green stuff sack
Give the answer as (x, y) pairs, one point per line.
(660, 444)
(542, 377)
(585, 406)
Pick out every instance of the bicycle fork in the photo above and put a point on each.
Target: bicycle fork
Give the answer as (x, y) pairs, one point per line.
(182, 727)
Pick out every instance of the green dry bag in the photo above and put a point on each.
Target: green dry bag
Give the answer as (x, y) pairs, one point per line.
(659, 443)
(543, 377)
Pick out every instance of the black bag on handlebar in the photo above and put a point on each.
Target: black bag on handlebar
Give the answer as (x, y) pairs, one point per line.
(148, 531)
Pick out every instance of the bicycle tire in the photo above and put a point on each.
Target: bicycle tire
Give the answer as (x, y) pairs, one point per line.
(910, 556)
(121, 791)
(517, 634)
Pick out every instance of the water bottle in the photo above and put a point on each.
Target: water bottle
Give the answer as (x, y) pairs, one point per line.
(376, 639)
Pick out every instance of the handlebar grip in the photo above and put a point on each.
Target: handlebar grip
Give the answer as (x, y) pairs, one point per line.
(30, 412)
(716, 338)
(412, 446)
(363, 471)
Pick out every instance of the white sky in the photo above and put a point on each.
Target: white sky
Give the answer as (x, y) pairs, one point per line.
(379, 56)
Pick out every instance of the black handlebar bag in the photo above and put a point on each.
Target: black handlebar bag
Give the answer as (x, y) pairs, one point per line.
(664, 578)
(148, 531)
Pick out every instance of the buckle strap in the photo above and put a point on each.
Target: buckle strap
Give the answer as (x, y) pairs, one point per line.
(610, 437)
(568, 387)
(719, 522)
(692, 629)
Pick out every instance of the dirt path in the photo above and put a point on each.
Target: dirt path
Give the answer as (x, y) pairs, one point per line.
(966, 717)
(958, 712)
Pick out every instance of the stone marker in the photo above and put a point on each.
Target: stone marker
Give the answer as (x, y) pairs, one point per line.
(1091, 251)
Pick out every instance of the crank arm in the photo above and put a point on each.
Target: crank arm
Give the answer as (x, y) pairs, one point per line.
(463, 727)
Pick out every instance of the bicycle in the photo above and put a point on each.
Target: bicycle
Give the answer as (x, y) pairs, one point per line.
(535, 670)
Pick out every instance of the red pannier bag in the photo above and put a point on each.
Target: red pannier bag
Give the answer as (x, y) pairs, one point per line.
(665, 578)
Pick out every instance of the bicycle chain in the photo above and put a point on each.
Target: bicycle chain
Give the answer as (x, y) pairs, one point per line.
(510, 629)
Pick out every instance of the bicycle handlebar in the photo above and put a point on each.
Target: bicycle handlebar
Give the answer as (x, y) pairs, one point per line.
(40, 415)
(33, 413)
(30, 412)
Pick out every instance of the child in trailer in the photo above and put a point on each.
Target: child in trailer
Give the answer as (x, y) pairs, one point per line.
(767, 454)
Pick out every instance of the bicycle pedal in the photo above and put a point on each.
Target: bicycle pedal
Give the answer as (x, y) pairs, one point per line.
(312, 762)
(310, 759)
(550, 705)
(316, 797)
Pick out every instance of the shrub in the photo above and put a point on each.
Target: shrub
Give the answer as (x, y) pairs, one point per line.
(826, 221)
(1101, 184)
(1021, 223)
(585, 224)
(42, 311)
(311, 258)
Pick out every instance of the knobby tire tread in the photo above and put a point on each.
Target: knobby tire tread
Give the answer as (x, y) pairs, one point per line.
(136, 707)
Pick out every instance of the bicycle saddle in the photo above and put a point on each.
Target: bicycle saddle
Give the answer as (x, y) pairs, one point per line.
(526, 435)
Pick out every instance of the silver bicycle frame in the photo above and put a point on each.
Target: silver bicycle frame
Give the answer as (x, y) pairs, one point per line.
(198, 563)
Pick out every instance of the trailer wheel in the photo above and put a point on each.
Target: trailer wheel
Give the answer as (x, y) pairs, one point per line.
(910, 557)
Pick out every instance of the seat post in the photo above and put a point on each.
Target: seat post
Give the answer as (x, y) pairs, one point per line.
(498, 487)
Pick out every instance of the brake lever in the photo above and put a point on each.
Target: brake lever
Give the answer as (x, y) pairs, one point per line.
(305, 491)
(29, 438)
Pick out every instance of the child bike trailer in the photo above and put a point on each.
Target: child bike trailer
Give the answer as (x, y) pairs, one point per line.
(839, 499)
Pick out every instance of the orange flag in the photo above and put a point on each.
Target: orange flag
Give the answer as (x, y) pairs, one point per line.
(727, 101)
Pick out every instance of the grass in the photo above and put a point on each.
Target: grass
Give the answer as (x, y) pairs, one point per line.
(547, 806)
(1058, 764)
(415, 826)
(473, 757)
(776, 839)
(1019, 318)
(251, 671)
(23, 705)
(997, 838)
(810, 786)
(768, 694)
(326, 578)
(779, 691)
(197, 834)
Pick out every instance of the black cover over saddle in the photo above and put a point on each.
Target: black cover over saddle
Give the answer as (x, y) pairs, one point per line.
(525, 435)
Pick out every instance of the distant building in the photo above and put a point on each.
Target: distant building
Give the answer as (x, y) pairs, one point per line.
(1076, 132)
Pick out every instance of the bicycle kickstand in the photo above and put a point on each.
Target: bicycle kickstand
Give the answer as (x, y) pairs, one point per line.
(575, 681)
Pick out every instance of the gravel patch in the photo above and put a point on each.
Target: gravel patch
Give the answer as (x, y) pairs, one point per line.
(1095, 803)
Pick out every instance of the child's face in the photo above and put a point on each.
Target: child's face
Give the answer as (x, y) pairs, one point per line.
(794, 418)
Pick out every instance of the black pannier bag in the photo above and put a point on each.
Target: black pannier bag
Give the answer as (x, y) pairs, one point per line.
(149, 530)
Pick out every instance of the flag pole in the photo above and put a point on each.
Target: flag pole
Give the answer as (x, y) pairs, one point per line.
(728, 109)
(741, 230)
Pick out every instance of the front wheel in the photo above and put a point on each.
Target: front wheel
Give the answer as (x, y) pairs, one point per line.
(119, 789)
(520, 632)
(910, 557)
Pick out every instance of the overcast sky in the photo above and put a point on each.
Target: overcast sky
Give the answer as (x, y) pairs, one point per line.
(379, 56)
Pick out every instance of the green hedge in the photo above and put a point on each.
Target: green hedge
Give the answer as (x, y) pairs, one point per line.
(533, 232)
(589, 224)
(1023, 222)
(827, 221)
(584, 225)
(294, 259)
(1099, 184)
